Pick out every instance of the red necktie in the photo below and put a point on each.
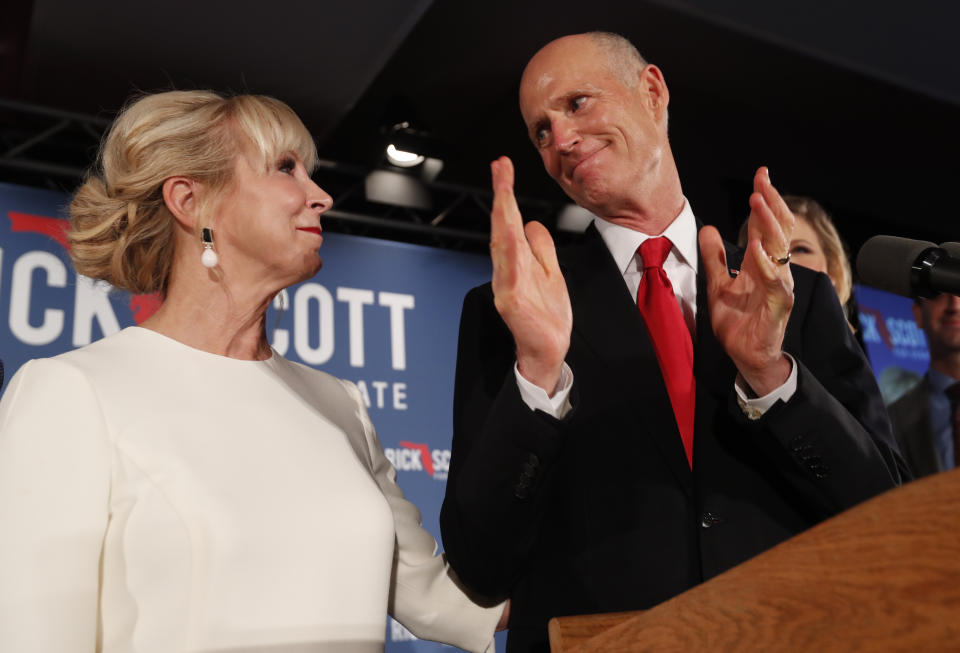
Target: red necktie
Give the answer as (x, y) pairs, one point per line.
(671, 338)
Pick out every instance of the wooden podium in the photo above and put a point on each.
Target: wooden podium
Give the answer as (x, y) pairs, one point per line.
(883, 576)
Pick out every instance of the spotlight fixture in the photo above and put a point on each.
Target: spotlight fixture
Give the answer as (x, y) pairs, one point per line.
(574, 219)
(397, 188)
(407, 147)
(403, 158)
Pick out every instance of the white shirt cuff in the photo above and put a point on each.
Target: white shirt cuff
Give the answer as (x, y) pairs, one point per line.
(536, 398)
(755, 408)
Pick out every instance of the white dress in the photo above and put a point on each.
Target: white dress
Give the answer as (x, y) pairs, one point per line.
(155, 498)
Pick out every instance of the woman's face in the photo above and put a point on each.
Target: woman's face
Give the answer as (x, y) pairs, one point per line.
(267, 226)
(805, 248)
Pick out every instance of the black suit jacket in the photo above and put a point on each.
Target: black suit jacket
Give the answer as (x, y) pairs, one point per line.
(913, 429)
(600, 511)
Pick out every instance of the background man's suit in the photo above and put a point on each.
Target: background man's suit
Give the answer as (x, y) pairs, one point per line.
(600, 512)
(912, 426)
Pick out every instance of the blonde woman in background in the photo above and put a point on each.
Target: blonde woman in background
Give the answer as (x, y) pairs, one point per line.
(180, 486)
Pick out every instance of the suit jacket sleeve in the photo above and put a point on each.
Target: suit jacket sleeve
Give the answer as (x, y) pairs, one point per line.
(832, 441)
(501, 460)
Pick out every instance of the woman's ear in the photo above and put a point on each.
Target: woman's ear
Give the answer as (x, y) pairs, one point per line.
(181, 196)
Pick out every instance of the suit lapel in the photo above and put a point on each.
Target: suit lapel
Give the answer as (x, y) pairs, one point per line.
(712, 367)
(606, 321)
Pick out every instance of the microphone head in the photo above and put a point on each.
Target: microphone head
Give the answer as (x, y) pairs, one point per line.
(953, 249)
(886, 262)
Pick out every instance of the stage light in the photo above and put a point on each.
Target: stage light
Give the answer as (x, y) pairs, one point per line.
(403, 158)
(396, 188)
(575, 219)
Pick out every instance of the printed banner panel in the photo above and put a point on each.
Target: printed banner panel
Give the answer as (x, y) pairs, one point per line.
(896, 346)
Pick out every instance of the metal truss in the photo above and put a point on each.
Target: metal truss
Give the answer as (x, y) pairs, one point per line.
(46, 147)
(458, 217)
(51, 148)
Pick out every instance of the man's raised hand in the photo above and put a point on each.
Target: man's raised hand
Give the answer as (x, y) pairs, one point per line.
(529, 290)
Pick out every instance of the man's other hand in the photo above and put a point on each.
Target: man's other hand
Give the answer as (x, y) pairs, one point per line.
(749, 312)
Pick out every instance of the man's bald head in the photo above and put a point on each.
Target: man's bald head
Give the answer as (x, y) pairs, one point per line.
(620, 55)
(625, 60)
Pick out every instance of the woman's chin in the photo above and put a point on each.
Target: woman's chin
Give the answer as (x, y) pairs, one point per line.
(312, 265)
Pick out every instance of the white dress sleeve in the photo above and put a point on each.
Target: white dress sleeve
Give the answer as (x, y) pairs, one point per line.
(425, 594)
(54, 493)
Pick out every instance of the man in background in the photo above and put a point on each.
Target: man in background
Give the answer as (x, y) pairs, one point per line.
(926, 419)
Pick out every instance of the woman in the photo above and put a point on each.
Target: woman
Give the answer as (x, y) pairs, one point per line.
(816, 245)
(180, 486)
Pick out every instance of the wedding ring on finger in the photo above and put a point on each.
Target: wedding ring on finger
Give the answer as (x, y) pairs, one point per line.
(780, 261)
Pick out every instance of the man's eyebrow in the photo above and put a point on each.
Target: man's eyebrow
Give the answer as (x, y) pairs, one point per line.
(588, 89)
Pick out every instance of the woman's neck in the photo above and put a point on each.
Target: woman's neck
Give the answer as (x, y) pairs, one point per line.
(210, 317)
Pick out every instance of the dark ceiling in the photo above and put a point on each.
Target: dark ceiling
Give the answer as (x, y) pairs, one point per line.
(854, 103)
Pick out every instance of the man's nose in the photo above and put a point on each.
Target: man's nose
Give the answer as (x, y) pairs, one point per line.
(565, 134)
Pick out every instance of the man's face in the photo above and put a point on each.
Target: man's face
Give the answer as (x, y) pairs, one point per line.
(940, 320)
(601, 138)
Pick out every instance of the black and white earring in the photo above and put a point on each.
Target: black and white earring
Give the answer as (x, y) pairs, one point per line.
(209, 257)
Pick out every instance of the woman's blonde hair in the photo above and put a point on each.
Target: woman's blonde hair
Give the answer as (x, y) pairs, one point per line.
(120, 228)
(838, 264)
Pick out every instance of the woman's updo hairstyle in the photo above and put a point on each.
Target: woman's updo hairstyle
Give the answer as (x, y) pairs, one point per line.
(120, 228)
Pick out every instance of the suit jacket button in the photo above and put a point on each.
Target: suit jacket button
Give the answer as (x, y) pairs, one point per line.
(710, 519)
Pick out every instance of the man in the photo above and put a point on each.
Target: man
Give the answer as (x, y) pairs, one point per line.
(925, 420)
(602, 459)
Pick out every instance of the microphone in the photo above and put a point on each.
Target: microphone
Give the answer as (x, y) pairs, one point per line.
(912, 268)
(953, 249)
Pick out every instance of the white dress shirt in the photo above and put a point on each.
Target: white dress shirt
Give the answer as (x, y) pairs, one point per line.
(681, 268)
(680, 264)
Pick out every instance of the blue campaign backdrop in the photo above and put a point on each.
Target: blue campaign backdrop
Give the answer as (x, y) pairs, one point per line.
(382, 314)
(897, 347)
